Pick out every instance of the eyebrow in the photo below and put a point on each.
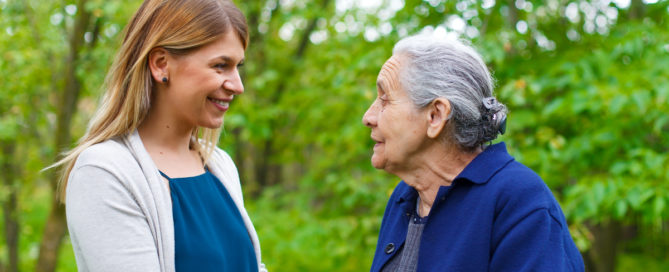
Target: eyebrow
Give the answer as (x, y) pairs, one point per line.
(228, 59)
(379, 85)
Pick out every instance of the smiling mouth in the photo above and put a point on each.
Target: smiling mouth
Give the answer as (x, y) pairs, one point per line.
(221, 103)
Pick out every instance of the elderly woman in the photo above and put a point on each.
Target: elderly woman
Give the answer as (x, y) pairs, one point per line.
(462, 204)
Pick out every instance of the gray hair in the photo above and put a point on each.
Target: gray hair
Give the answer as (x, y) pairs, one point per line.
(434, 67)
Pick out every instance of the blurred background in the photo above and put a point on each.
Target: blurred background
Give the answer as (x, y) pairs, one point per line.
(586, 83)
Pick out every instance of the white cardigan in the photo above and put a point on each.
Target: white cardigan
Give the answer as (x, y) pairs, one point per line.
(119, 210)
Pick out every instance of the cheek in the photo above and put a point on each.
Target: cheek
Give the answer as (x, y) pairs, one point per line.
(201, 83)
(210, 80)
(388, 118)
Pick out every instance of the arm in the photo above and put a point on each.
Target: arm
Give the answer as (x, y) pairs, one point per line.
(108, 229)
(530, 242)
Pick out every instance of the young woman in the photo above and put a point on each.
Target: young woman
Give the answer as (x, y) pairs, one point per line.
(147, 189)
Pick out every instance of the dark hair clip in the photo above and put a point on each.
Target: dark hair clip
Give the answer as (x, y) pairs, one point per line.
(489, 102)
(502, 125)
(499, 117)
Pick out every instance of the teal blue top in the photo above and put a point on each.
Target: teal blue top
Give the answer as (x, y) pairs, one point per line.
(209, 232)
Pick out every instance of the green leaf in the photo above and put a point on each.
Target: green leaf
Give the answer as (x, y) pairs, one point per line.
(620, 208)
(658, 206)
(8, 128)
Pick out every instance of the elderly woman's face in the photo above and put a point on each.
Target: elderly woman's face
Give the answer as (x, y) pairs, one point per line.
(398, 128)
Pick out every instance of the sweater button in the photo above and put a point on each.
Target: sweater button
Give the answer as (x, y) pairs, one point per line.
(390, 248)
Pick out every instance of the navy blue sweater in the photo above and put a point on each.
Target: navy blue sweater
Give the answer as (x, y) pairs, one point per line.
(497, 215)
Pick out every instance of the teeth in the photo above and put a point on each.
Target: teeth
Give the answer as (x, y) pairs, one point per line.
(220, 102)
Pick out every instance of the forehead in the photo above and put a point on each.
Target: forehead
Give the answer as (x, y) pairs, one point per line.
(228, 45)
(388, 79)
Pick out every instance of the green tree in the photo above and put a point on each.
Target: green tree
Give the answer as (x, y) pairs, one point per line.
(585, 82)
(48, 49)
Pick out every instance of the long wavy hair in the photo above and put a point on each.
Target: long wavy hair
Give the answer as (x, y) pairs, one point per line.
(178, 26)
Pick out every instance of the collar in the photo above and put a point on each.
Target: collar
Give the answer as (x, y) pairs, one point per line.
(407, 193)
(486, 164)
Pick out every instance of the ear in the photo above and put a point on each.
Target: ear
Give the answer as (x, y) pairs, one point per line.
(158, 63)
(437, 115)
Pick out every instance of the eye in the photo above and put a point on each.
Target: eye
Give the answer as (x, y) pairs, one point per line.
(240, 64)
(384, 100)
(220, 65)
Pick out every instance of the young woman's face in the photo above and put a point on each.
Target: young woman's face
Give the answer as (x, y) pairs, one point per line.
(202, 83)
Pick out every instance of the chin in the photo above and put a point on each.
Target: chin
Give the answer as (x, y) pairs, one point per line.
(214, 124)
(377, 163)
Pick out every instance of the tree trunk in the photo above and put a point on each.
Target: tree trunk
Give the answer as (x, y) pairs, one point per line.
(637, 9)
(9, 208)
(263, 163)
(604, 251)
(249, 170)
(512, 18)
(11, 231)
(267, 172)
(55, 227)
(54, 231)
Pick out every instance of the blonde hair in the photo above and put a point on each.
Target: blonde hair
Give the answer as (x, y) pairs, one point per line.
(178, 26)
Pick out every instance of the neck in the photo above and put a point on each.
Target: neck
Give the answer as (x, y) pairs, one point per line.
(159, 132)
(436, 168)
(167, 138)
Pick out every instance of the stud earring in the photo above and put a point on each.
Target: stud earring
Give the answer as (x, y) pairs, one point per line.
(164, 79)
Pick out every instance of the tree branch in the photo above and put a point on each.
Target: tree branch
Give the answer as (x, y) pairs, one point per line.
(55, 227)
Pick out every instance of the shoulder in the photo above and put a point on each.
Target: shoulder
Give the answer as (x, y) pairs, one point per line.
(521, 189)
(517, 179)
(111, 156)
(107, 168)
(222, 165)
(221, 159)
(221, 155)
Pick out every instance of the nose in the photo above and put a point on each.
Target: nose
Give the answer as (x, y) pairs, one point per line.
(234, 83)
(370, 116)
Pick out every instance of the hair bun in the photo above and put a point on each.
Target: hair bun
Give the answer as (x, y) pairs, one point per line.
(493, 118)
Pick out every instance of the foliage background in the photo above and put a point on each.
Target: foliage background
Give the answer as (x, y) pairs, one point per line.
(586, 82)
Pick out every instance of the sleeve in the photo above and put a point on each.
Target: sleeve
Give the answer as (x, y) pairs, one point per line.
(108, 229)
(529, 242)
